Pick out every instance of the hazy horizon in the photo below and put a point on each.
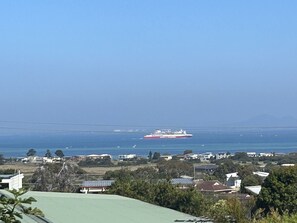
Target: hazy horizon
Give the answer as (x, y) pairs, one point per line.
(145, 63)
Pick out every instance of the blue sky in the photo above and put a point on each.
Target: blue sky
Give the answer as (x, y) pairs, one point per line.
(147, 62)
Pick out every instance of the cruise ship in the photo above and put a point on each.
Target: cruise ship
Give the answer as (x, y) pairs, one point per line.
(168, 134)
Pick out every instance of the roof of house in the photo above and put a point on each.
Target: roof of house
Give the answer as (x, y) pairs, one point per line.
(98, 183)
(254, 189)
(93, 208)
(182, 181)
(212, 186)
(206, 167)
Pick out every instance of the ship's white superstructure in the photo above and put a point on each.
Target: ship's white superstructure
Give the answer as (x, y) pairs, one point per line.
(168, 134)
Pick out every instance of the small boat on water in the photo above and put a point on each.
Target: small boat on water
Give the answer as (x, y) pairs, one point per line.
(168, 134)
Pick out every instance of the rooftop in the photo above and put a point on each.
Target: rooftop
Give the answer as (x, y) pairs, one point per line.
(93, 208)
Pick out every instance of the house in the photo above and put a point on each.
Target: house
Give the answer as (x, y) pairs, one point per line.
(99, 156)
(11, 181)
(261, 174)
(254, 189)
(191, 156)
(233, 181)
(183, 183)
(213, 186)
(94, 208)
(95, 186)
(206, 156)
(251, 154)
(127, 157)
(210, 168)
(221, 156)
(166, 157)
(266, 154)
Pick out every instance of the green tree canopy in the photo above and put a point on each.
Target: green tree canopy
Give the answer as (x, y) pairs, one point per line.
(31, 152)
(59, 153)
(279, 191)
(48, 154)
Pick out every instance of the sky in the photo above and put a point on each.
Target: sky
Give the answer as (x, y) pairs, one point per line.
(147, 63)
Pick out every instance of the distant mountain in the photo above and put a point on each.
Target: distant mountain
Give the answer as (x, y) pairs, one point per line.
(266, 120)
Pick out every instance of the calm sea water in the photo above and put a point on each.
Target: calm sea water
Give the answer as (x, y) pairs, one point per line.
(280, 141)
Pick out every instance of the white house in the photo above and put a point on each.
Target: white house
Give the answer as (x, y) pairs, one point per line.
(221, 156)
(127, 157)
(191, 156)
(233, 180)
(12, 181)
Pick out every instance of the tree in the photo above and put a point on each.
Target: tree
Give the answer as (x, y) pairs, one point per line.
(12, 208)
(31, 152)
(251, 180)
(1, 159)
(279, 191)
(150, 156)
(156, 156)
(226, 167)
(174, 168)
(188, 151)
(48, 154)
(55, 177)
(59, 153)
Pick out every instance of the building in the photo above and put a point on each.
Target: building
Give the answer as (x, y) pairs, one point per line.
(221, 156)
(127, 157)
(99, 156)
(166, 157)
(182, 183)
(11, 181)
(233, 181)
(97, 186)
(254, 189)
(251, 154)
(206, 156)
(213, 186)
(93, 208)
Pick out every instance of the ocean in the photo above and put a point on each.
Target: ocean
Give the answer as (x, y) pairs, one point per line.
(117, 143)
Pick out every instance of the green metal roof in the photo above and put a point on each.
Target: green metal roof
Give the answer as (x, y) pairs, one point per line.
(94, 208)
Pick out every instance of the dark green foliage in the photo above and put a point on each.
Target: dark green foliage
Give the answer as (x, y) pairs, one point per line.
(279, 191)
(161, 193)
(188, 151)
(156, 156)
(145, 173)
(241, 156)
(225, 167)
(150, 156)
(48, 154)
(246, 170)
(59, 153)
(31, 152)
(251, 180)
(229, 210)
(7, 171)
(12, 209)
(174, 168)
(1, 159)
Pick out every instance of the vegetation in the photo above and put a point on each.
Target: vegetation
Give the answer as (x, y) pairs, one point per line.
(55, 177)
(279, 191)
(13, 208)
(31, 152)
(48, 154)
(161, 193)
(59, 153)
